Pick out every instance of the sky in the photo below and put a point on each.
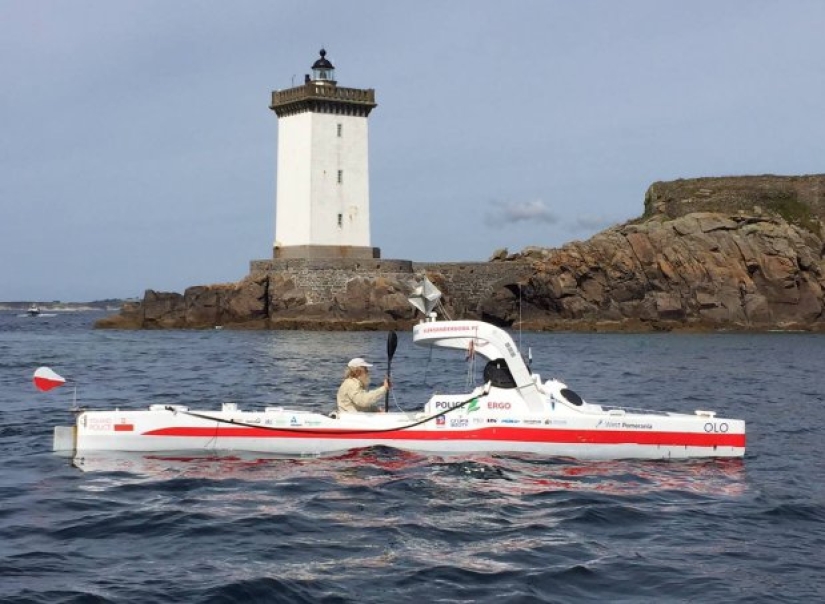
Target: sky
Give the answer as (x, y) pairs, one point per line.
(137, 149)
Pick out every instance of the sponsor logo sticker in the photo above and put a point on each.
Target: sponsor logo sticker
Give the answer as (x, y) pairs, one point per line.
(717, 427)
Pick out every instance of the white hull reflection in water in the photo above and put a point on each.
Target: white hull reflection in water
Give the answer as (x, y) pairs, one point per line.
(522, 474)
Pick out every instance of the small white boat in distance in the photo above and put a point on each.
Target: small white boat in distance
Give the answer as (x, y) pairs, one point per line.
(515, 410)
(35, 311)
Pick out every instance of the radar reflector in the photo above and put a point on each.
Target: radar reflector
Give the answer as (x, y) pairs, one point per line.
(425, 296)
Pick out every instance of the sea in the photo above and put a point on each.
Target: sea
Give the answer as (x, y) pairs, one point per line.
(383, 525)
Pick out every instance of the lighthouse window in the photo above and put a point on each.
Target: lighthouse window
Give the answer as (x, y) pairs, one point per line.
(340, 129)
(340, 176)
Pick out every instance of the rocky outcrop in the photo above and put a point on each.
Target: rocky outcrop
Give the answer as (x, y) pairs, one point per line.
(709, 253)
(198, 307)
(699, 271)
(797, 199)
(269, 302)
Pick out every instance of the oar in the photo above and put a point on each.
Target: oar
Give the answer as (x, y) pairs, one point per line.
(392, 344)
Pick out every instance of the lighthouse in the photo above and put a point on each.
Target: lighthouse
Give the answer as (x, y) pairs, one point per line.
(322, 207)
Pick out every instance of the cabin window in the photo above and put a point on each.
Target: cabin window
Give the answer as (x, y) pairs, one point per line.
(571, 397)
(340, 220)
(340, 176)
(340, 129)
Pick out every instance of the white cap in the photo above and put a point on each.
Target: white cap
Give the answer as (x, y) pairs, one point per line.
(358, 362)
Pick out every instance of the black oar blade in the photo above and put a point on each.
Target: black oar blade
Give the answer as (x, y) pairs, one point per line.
(392, 344)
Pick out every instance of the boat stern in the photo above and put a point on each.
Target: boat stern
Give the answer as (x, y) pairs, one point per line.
(64, 440)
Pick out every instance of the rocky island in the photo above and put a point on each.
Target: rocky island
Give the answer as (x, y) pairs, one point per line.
(716, 253)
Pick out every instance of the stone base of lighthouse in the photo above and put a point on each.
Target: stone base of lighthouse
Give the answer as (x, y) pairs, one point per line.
(319, 252)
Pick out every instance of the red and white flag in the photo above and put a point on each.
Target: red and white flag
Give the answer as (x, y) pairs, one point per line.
(46, 379)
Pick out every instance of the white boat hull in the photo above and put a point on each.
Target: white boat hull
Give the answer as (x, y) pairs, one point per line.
(294, 433)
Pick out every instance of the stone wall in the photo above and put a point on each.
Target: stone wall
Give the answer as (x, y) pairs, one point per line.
(465, 283)
(322, 279)
(468, 284)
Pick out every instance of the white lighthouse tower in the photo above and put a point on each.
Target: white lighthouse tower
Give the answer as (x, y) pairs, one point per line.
(323, 204)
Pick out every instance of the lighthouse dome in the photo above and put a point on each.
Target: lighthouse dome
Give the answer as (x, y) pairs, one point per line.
(322, 69)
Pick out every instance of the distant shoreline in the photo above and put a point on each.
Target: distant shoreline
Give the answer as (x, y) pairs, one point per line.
(104, 305)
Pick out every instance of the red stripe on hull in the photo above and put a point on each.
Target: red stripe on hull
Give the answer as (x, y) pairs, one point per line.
(537, 435)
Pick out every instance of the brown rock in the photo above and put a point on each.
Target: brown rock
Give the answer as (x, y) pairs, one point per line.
(738, 252)
(696, 271)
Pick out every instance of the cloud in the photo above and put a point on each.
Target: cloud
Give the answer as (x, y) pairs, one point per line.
(511, 212)
(592, 224)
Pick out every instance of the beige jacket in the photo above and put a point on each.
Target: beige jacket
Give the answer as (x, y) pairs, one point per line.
(352, 397)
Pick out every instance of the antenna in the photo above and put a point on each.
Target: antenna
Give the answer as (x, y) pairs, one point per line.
(519, 316)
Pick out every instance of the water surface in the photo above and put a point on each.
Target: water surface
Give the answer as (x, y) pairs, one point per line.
(380, 525)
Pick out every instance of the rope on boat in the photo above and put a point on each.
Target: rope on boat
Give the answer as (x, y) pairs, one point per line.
(325, 430)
